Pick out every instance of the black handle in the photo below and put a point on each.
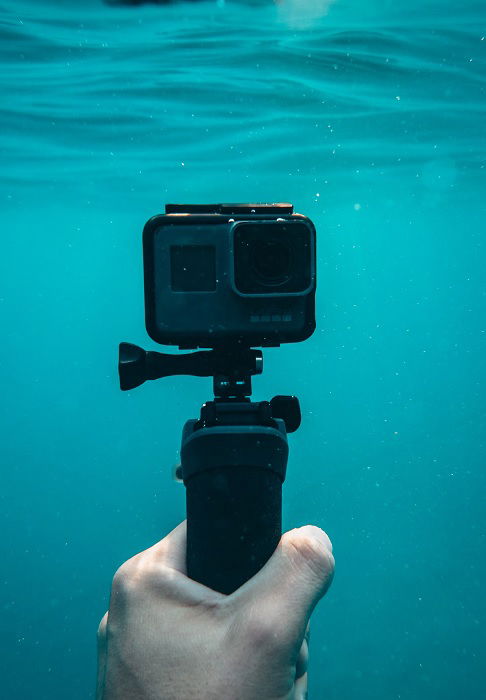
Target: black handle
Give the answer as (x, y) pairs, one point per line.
(234, 524)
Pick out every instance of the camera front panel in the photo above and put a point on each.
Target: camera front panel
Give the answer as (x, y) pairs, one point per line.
(210, 281)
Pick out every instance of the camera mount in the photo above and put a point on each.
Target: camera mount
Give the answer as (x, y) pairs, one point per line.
(233, 460)
(231, 367)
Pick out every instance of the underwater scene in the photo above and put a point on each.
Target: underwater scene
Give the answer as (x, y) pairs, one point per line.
(369, 117)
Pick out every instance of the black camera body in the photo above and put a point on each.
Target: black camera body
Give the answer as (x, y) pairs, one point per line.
(224, 274)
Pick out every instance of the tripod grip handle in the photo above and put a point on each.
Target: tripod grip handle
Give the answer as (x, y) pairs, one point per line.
(234, 524)
(233, 478)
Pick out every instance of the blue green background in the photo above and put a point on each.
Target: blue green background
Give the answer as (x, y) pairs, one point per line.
(370, 118)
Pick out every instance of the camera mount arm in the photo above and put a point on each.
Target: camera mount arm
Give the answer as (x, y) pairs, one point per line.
(231, 367)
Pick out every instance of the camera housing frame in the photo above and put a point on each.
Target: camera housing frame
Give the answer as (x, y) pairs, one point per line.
(221, 315)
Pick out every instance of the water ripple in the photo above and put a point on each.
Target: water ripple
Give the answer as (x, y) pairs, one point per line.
(84, 85)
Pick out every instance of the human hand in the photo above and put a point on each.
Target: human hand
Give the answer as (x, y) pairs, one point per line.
(167, 637)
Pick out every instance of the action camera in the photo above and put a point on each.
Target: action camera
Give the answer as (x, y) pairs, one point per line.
(229, 274)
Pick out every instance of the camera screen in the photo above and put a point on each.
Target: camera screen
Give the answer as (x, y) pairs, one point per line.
(272, 258)
(192, 268)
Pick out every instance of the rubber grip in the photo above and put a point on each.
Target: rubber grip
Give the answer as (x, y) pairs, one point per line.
(234, 524)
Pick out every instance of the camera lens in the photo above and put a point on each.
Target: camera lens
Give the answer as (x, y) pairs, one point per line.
(272, 258)
(271, 261)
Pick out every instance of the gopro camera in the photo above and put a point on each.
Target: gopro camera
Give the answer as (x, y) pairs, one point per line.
(222, 274)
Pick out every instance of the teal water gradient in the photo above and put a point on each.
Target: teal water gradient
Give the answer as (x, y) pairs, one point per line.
(370, 118)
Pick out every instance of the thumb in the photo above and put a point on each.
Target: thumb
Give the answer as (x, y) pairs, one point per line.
(283, 594)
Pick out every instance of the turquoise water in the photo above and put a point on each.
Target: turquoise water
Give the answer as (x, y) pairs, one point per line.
(370, 118)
